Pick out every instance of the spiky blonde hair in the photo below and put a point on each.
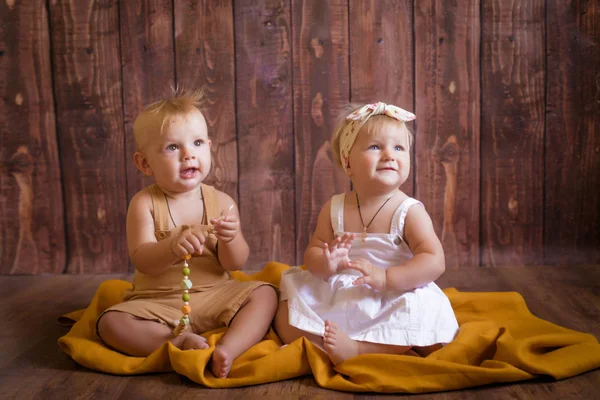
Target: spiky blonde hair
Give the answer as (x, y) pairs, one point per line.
(157, 114)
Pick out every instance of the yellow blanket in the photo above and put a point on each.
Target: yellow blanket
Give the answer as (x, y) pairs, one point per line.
(499, 341)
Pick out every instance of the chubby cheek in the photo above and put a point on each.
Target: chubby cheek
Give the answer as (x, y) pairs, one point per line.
(404, 160)
(370, 160)
(205, 163)
(405, 168)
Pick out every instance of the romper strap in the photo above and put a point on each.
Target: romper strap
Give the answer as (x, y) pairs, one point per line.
(337, 212)
(159, 208)
(211, 203)
(397, 227)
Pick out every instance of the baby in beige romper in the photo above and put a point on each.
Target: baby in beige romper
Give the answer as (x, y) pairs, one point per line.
(175, 217)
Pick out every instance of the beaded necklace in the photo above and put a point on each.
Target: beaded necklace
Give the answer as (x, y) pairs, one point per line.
(186, 285)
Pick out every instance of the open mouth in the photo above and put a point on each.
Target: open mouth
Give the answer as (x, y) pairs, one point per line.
(188, 172)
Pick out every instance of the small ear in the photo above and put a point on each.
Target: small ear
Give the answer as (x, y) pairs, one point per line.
(141, 162)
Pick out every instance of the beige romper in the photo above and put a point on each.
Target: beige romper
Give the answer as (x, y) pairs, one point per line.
(215, 297)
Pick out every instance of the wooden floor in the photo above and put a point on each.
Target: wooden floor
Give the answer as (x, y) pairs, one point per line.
(32, 366)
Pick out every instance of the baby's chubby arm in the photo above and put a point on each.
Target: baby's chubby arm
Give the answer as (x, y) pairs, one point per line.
(428, 262)
(325, 254)
(147, 254)
(232, 247)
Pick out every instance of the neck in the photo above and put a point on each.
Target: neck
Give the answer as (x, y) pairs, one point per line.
(368, 198)
(182, 195)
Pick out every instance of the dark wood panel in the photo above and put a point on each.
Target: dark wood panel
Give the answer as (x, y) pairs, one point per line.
(32, 236)
(87, 77)
(265, 129)
(321, 90)
(148, 62)
(382, 57)
(448, 120)
(205, 58)
(512, 140)
(572, 167)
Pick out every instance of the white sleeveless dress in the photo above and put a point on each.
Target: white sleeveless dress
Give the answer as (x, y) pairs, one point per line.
(420, 317)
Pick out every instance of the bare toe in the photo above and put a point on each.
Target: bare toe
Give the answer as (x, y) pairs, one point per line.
(338, 345)
(331, 330)
(193, 341)
(221, 363)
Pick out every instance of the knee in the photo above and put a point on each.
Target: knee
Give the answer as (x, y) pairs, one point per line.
(109, 323)
(105, 323)
(266, 295)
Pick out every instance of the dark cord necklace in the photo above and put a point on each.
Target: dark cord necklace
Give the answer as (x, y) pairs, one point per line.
(364, 232)
(169, 208)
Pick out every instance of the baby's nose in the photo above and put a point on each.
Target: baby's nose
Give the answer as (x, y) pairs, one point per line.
(388, 154)
(188, 154)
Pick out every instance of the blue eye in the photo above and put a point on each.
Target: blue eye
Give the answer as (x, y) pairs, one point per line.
(171, 147)
(399, 148)
(374, 147)
(198, 142)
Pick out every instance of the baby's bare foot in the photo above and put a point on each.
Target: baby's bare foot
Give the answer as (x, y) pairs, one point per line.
(338, 345)
(221, 362)
(192, 341)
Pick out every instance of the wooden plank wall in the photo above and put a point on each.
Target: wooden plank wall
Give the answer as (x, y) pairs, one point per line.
(447, 75)
(32, 212)
(507, 152)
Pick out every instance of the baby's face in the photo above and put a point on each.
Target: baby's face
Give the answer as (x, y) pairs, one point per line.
(381, 157)
(180, 158)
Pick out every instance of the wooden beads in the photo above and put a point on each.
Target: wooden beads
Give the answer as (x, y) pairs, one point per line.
(186, 284)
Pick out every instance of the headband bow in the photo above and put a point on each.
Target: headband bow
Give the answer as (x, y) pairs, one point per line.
(359, 117)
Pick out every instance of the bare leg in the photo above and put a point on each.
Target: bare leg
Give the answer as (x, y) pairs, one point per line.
(247, 328)
(427, 350)
(340, 347)
(139, 338)
(289, 333)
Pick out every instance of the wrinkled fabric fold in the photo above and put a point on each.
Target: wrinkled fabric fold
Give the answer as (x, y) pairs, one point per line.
(499, 340)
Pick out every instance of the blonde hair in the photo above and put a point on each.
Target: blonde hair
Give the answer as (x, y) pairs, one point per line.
(373, 123)
(157, 114)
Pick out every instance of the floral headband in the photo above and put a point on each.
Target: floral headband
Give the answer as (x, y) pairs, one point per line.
(359, 117)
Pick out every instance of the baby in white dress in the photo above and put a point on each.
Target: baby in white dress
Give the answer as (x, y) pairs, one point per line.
(368, 287)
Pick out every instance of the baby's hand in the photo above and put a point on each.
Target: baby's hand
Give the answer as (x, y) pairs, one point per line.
(226, 226)
(189, 241)
(372, 275)
(336, 253)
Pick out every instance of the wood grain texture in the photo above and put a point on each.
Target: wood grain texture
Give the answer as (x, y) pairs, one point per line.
(148, 63)
(382, 57)
(204, 51)
(512, 140)
(572, 162)
(74, 74)
(265, 129)
(33, 366)
(87, 80)
(32, 237)
(321, 90)
(448, 121)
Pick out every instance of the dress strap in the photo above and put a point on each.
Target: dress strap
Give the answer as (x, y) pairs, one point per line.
(397, 227)
(337, 212)
(160, 210)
